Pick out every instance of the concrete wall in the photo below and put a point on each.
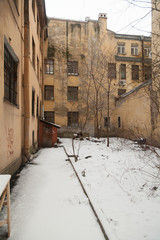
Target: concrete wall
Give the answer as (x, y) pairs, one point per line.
(11, 20)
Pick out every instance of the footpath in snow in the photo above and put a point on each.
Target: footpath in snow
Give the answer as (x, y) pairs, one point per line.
(48, 202)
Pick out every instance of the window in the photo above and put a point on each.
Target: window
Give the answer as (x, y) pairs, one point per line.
(33, 101)
(33, 52)
(37, 106)
(73, 119)
(49, 116)
(10, 77)
(119, 122)
(72, 67)
(73, 93)
(48, 64)
(107, 122)
(121, 48)
(123, 71)
(134, 49)
(135, 72)
(147, 51)
(111, 70)
(49, 92)
(121, 91)
(148, 72)
(38, 68)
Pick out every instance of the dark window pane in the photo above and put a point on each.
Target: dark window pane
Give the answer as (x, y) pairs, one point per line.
(73, 119)
(49, 93)
(49, 116)
(111, 70)
(72, 67)
(121, 91)
(73, 93)
(135, 72)
(123, 71)
(10, 77)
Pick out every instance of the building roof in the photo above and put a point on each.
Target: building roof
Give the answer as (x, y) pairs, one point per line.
(144, 84)
(50, 123)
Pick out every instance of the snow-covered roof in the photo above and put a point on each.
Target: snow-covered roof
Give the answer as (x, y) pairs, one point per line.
(50, 123)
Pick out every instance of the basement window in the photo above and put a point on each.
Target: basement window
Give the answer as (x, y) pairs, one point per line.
(72, 67)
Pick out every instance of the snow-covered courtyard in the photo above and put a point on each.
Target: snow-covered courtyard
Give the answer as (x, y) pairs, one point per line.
(122, 182)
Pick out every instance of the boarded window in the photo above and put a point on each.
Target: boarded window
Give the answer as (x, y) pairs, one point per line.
(73, 93)
(72, 67)
(49, 92)
(10, 77)
(134, 49)
(123, 71)
(48, 65)
(73, 119)
(135, 72)
(121, 91)
(121, 48)
(111, 70)
(49, 116)
(107, 122)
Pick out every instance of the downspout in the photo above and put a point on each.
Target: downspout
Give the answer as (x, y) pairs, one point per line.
(43, 29)
(26, 81)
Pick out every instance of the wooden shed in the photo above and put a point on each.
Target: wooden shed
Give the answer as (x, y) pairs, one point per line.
(47, 133)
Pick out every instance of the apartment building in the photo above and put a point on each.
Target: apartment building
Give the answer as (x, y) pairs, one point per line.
(22, 34)
(87, 68)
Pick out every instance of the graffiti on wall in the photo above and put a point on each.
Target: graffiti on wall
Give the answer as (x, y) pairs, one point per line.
(10, 141)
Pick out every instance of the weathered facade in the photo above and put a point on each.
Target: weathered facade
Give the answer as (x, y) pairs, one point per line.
(87, 67)
(22, 29)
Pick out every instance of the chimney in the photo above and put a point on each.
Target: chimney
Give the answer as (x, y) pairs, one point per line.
(102, 18)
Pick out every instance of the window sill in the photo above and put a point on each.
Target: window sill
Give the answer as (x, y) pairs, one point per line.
(13, 104)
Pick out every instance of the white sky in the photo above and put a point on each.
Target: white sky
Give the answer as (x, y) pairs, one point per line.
(123, 17)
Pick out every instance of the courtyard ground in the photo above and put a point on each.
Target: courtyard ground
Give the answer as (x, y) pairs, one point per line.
(122, 182)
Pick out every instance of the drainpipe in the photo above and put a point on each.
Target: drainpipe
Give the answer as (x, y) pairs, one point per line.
(26, 81)
(143, 71)
(43, 29)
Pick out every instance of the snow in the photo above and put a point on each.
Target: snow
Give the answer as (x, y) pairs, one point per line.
(4, 179)
(48, 202)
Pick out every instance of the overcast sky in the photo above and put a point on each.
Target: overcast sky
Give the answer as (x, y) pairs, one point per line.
(123, 17)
